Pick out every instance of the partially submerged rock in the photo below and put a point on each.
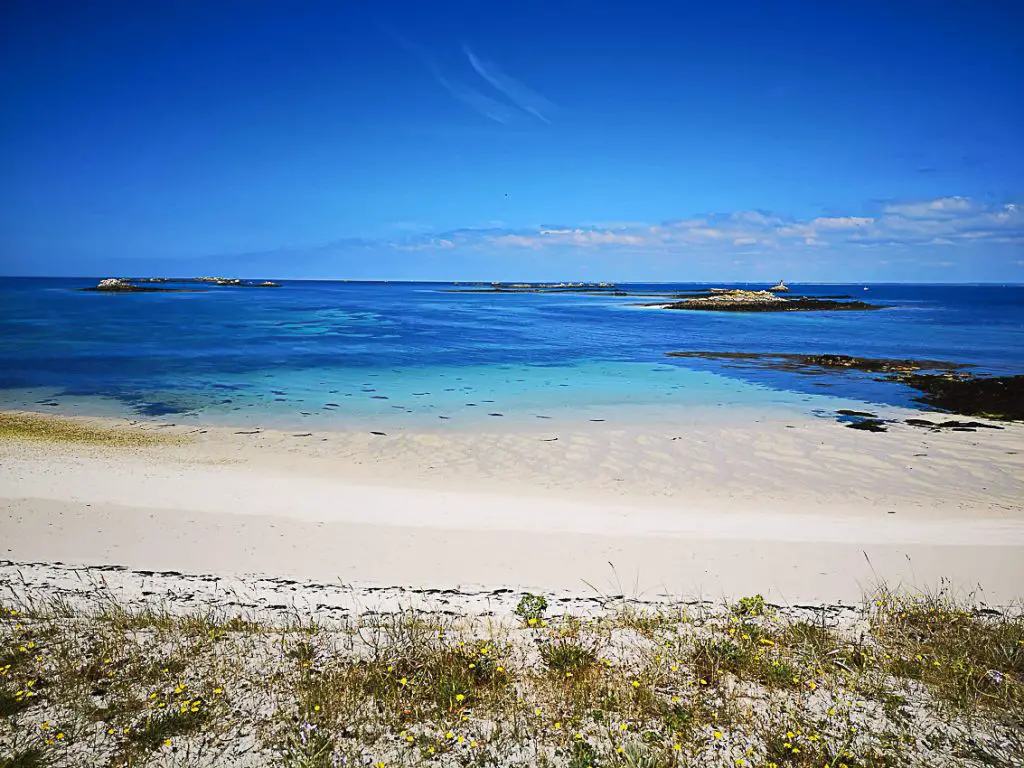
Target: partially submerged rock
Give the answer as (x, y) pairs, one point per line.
(868, 425)
(877, 365)
(864, 420)
(816, 363)
(956, 426)
(236, 282)
(218, 280)
(993, 397)
(944, 385)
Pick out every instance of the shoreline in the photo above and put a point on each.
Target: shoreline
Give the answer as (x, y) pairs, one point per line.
(813, 513)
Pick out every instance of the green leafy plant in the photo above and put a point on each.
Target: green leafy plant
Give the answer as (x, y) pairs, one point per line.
(583, 755)
(753, 605)
(531, 608)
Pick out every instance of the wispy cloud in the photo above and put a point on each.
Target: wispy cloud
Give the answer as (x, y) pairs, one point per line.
(524, 100)
(477, 100)
(519, 93)
(482, 103)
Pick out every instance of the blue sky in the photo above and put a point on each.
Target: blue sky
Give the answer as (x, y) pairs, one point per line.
(513, 140)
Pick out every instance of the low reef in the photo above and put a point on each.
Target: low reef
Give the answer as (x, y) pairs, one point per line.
(235, 282)
(993, 397)
(814, 363)
(944, 385)
(605, 288)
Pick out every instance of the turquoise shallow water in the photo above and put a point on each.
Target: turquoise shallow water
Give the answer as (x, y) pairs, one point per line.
(343, 354)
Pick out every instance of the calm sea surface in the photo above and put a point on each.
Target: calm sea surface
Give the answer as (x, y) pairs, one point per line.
(343, 354)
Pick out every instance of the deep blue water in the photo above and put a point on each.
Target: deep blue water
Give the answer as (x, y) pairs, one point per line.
(350, 350)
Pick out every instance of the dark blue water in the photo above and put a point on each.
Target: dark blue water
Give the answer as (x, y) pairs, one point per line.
(351, 349)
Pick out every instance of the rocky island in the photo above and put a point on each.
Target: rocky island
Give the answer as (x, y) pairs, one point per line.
(144, 284)
(121, 285)
(709, 299)
(740, 300)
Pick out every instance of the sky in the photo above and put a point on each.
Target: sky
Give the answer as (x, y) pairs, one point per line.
(518, 140)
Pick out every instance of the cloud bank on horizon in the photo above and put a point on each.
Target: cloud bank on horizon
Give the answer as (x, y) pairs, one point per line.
(945, 221)
(896, 241)
(941, 233)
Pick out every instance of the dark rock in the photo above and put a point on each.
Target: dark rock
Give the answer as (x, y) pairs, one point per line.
(972, 426)
(815, 363)
(968, 425)
(711, 304)
(994, 397)
(869, 425)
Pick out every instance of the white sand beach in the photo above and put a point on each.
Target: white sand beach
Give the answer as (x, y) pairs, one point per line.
(802, 511)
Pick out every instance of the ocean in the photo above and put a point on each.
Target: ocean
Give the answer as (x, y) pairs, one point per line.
(350, 354)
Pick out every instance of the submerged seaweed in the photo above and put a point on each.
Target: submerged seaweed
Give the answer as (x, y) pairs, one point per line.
(994, 397)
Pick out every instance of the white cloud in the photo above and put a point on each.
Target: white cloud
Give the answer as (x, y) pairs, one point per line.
(579, 237)
(755, 217)
(947, 222)
(923, 209)
(842, 222)
(520, 241)
(709, 233)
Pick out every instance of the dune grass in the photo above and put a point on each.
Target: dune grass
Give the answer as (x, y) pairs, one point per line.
(911, 680)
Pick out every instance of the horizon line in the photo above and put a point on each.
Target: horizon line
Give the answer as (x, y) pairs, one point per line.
(1002, 283)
